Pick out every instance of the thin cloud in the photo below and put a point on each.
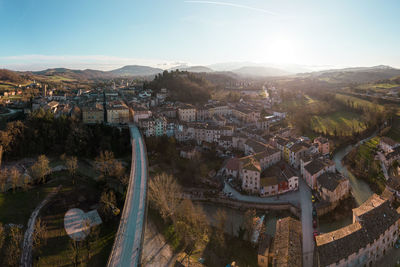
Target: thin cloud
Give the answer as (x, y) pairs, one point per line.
(218, 3)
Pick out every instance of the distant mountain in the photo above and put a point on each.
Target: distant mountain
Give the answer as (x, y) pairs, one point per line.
(356, 75)
(260, 71)
(11, 77)
(136, 70)
(193, 68)
(75, 74)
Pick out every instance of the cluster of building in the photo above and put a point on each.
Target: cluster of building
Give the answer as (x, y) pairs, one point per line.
(373, 232)
(391, 150)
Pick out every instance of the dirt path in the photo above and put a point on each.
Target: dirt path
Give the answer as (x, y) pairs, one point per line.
(156, 251)
(26, 257)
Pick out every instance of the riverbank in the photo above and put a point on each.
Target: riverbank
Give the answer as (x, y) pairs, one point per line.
(362, 163)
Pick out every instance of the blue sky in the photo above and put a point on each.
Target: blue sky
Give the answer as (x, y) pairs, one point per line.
(105, 34)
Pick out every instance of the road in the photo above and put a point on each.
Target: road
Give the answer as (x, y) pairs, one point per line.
(26, 257)
(303, 195)
(291, 197)
(306, 224)
(127, 246)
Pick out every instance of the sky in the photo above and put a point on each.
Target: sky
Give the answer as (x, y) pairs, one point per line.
(106, 34)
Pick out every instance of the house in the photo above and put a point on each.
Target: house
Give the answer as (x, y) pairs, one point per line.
(231, 168)
(140, 112)
(117, 112)
(249, 173)
(268, 157)
(387, 144)
(392, 156)
(252, 146)
(323, 145)
(278, 179)
(333, 186)
(93, 113)
(189, 152)
(187, 112)
(393, 185)
(287, 246)
(297, 151)
(225, 142)
(264, 250)
(316, 168)
(372, 235)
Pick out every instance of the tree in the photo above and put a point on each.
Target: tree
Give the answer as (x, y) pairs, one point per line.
(250, 223)
(15, 177)
(75, 247)
(92, 237)
(108, 203)
(218, 236)
(3, 179)
(39, 234)
(72, 166)
(165, 195)
(2, 235)
(104, 163)
(5, 140)
(40, 169)
(13, 252)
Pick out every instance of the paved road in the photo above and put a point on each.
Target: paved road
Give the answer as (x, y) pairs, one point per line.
(128, 240)
(291, 197)
(26, 257)
(306, 224)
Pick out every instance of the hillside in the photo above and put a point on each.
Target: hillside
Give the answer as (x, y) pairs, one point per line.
(197, 69)
(260, 71)
(136, 70)
(183, 86)
(356, 75)
(8, 76)
(69, 74)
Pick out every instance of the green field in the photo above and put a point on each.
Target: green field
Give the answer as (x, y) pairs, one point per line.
(358, 102)
(345, 123)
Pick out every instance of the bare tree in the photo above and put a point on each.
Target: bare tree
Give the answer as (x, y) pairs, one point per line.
(220, 219)
(104, 163)
(5, 140)
(250, 223)
(2, 235)
(15, 177)
(108, 204)
(3, 179)
(39, 234)
(40, 168)
(13, 252)
(75, 248)
(165, 195)
(72, 166)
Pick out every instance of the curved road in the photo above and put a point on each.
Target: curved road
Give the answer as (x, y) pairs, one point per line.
(127, 246)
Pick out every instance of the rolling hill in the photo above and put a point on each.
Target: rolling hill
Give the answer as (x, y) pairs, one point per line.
(136, 70)
(260, 71)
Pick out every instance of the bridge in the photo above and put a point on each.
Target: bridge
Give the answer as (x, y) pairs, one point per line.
(128, 241)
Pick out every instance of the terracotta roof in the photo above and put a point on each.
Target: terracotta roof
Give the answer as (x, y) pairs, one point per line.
(330, 180)
(388, 141)
(250, 163)
(288, 243)
(232, 164)
(373, 218)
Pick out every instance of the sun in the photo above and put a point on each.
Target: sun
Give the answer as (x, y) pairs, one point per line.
(280, 50)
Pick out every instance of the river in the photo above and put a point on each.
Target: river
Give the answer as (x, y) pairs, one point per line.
(360, 189)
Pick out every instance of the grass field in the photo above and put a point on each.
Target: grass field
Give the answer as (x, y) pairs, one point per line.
(57, 252)
(358, 102)
(344, 122)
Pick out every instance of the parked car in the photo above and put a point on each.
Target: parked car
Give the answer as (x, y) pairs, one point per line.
(315, 233)
(397, 244)
(314, 213)
(312, 198)
(314, 223)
